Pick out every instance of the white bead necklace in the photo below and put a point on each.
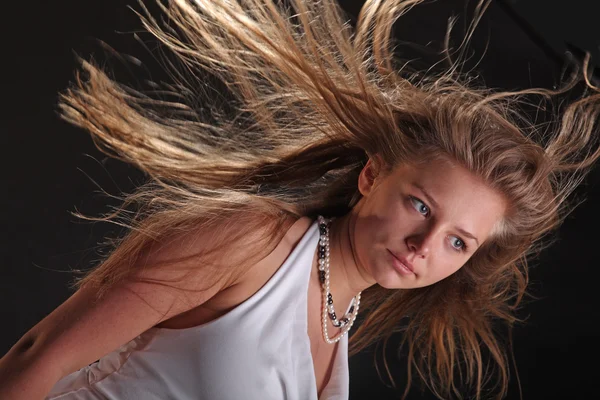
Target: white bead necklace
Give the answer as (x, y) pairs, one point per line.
(347, 321)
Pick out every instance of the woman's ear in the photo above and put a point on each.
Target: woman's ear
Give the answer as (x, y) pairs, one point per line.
(368, 175)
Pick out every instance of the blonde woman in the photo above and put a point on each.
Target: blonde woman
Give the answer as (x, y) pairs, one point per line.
(344, 184)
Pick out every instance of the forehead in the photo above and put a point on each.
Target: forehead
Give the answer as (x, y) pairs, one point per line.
(445, 176)
(459, 196)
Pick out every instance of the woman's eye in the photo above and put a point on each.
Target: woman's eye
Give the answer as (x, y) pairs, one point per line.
(419, 205)
(458, 244)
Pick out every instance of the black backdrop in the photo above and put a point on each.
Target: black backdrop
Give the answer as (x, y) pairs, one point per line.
(51, 168)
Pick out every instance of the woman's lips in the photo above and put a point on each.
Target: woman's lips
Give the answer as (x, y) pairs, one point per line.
(400, 266)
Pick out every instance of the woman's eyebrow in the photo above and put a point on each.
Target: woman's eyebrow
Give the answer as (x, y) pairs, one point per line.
(431, 200)
(467, 234)
(426, 194)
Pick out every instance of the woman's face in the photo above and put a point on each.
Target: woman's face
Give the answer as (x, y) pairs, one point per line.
(432, 217)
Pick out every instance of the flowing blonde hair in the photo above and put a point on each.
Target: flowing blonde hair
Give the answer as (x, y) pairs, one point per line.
(313, 100)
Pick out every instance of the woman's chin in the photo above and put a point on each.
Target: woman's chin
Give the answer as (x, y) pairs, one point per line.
(391, 281)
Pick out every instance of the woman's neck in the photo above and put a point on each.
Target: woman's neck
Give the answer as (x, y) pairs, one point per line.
(346, 276)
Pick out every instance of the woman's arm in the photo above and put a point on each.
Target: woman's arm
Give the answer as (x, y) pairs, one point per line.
(82, 330)
(23, 375)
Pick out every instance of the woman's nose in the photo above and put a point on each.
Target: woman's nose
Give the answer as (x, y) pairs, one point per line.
(419, 244)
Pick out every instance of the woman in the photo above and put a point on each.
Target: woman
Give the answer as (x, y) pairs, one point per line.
(343, 184)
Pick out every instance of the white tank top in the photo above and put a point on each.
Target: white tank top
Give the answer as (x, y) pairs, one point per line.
(259, 350)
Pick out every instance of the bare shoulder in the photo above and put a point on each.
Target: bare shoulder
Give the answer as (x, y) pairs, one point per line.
(297, 230)
(224, 244)
(250, 253)
(294, 231)
(260, 272)
(255, 277)
(258, 247)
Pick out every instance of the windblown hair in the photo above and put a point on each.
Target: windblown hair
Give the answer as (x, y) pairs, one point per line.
(313, 100)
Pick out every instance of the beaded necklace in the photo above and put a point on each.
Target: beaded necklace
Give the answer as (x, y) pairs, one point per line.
(347, 320)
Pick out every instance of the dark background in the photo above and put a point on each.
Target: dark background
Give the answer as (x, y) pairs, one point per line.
(51, 168)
